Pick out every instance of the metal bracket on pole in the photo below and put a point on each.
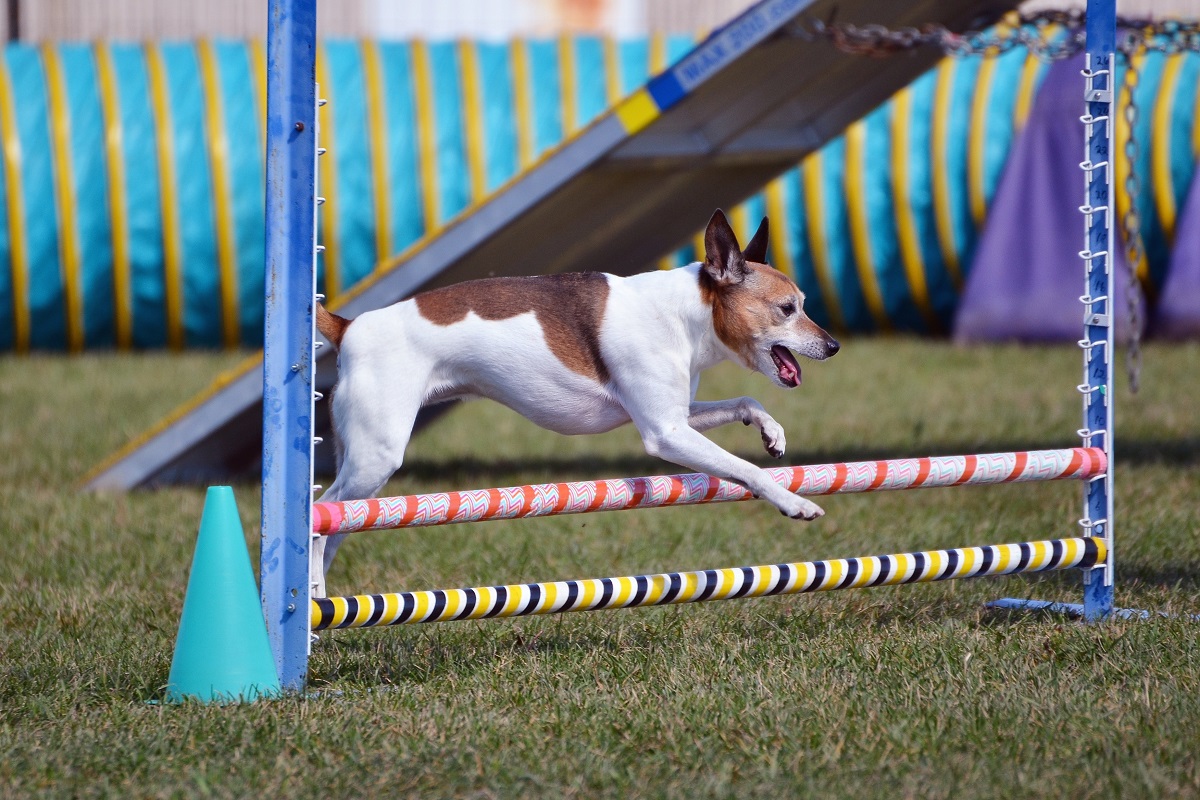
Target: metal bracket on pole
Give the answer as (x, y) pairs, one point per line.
(288, 334)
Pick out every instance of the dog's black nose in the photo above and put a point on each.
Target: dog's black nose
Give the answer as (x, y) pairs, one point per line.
(832, 346)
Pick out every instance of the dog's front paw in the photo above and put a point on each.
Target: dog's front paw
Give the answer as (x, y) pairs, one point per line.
(773, 438)
(802, 509)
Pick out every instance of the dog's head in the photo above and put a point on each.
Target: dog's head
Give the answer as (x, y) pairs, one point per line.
(758, 312)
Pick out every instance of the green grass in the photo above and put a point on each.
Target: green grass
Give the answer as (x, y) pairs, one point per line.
(902, 692)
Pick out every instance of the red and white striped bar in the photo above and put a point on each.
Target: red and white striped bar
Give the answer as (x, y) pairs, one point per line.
(549, 499)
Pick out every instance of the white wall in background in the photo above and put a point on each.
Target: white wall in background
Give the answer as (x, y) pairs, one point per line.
(141, 20)
(503, 19)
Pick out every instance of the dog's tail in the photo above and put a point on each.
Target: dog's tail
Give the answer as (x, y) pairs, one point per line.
(331, 326)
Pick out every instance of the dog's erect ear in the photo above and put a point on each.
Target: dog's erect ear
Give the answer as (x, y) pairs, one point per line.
(723, 259)
(756, 251)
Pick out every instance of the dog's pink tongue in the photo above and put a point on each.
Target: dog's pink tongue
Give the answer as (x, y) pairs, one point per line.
(789, 370)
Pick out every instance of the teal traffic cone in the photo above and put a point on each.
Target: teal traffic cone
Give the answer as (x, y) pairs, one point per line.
(222, 653)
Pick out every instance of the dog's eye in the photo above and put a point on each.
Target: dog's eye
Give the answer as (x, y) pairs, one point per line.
(788, 309)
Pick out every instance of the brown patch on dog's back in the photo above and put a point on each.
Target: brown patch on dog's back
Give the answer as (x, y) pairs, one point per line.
(569, 308)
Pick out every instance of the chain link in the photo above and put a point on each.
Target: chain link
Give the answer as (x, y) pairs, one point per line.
(1049, 36)
(1131, 227)
(1037, 32)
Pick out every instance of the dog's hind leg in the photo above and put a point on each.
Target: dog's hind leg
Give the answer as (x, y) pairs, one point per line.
(362, 486)
(373, 433)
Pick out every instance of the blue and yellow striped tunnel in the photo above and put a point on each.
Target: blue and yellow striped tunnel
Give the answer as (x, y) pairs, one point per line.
(132, 212)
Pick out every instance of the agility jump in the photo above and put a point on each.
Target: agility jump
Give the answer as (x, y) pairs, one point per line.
(291, 520)
(661, 491)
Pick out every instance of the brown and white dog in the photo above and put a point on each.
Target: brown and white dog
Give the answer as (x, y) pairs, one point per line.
(576, 353)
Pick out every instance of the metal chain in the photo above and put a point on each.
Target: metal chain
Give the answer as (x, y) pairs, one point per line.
(1042, 35)
(1168, 37)
(1131, 227)
(1030, 31)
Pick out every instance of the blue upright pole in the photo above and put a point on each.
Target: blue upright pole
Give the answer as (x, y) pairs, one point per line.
(288, 336)
(1099, 309)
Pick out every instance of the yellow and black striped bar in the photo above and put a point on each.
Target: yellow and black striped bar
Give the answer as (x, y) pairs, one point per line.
(595, 594)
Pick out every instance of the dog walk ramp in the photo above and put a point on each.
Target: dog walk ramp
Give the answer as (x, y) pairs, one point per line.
(740, 108)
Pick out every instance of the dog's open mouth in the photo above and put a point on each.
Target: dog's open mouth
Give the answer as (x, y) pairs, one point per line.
(785, 363)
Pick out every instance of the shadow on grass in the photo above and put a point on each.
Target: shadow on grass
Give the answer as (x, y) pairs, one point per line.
(367, 659)
(1139, 452)
(624, 644)
(1182, 577)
